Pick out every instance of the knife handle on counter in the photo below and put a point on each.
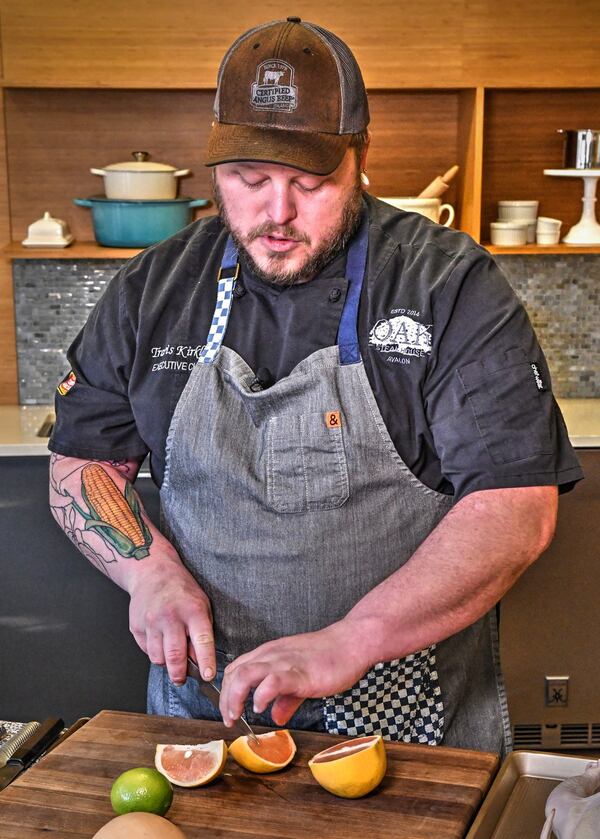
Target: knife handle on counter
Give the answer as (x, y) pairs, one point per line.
(37, 743)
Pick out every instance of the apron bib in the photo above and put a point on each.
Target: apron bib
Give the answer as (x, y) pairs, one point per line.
(288, 505)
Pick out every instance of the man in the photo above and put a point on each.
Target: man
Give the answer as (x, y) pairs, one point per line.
(349, 418)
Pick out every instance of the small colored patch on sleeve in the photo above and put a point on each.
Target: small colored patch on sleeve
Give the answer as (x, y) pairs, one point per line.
(67, 383)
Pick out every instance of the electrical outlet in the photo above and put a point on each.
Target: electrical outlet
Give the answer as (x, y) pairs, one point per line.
(557, 691)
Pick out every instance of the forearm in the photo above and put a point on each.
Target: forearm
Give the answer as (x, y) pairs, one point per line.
(458, 573)
(169, 615)
(96, 506)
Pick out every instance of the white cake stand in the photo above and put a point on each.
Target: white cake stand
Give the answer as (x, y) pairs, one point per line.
(587, 229)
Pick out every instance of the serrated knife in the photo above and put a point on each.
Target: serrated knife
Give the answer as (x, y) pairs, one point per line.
(32, 749)
(213, 694)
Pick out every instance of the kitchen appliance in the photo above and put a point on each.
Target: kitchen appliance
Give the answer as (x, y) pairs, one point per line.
(140, 178)
(137, 224)
(581, 148)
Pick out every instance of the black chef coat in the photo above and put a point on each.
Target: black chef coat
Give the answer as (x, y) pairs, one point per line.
(460, 380)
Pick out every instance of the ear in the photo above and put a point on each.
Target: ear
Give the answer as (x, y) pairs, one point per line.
(547, 829)
(363, 157)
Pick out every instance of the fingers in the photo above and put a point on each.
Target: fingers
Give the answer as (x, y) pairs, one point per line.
(269, 685)
(162, 632)
(284, 709)
(175, 652)
(203, 644)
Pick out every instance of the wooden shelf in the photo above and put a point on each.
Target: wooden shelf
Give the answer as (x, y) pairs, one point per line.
(78, 250)
(91, 250)
(542, 249)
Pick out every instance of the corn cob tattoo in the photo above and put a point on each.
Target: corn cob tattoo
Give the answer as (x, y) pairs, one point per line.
(113, 515)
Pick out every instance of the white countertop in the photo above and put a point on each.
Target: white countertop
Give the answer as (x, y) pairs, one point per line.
(19, 425)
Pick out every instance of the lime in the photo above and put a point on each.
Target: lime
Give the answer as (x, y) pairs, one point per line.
(141, 790)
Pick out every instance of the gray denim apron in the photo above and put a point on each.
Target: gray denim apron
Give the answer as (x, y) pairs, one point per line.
(288, 505)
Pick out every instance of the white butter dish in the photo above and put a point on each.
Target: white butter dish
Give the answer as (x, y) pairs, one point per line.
(48, 232)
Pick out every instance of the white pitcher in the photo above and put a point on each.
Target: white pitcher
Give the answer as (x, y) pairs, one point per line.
(430, 207)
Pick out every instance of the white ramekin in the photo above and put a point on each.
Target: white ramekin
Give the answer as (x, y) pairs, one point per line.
(514, 210)
(548, 225)
(508, 233)
(546, 238)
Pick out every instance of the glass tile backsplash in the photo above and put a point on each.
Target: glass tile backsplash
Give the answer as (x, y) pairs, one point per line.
(561, 294)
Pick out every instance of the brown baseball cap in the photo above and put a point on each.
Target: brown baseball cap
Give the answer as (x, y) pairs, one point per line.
(288, 92)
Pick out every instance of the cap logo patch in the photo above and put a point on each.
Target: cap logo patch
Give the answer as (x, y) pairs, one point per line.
(274, 88)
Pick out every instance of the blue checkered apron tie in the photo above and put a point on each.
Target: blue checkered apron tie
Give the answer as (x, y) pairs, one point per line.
(225, 285)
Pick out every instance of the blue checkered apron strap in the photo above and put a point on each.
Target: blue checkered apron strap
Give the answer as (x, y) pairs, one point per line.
(228, 274)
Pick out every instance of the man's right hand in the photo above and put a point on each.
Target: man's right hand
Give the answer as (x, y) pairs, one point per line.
(170, 616)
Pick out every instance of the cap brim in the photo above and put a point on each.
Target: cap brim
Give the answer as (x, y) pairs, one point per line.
(317, 153)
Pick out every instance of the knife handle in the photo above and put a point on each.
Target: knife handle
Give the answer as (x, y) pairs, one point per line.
(37, 743)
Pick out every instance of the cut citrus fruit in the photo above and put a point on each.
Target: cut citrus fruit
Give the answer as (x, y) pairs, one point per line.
(351, 769)
(191, 766)
(141, 790)
(274, 750)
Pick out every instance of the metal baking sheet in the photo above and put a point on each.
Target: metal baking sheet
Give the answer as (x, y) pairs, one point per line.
(514, 806)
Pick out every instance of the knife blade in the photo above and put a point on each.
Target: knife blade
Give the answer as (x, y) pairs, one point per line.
(31, 750)
(213, 694)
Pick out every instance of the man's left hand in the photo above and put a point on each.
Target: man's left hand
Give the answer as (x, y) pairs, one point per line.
(289, 670)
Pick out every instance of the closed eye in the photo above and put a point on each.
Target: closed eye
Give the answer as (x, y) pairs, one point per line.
(307, 188)
(251, 184)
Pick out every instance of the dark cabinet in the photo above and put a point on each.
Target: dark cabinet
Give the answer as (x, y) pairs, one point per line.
(549, 631)
(65, 645)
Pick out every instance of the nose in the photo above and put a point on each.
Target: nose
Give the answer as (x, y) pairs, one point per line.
(281, 207)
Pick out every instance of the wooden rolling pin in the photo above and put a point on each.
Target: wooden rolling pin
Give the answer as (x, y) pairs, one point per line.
(439, 185)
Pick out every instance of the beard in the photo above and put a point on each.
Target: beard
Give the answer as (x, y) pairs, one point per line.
(276, 271)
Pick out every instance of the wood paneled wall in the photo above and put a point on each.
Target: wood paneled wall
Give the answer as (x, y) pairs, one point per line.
(143, 74)
(414, 43)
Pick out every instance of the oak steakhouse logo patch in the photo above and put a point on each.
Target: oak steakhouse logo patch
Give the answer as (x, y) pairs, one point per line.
(401, 336)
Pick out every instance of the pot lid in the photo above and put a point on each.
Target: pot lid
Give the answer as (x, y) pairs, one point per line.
(140, 163)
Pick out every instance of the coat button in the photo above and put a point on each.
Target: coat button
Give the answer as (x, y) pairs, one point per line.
(334, 295)
(239, 290)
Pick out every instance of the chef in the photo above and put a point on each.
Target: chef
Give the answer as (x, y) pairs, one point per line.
(348, 415)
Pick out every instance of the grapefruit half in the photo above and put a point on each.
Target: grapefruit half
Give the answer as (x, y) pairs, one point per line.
(274, 750)
(191, 766)
(351, 769)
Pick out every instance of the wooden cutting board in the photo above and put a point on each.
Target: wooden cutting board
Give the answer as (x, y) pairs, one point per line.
(427, 793)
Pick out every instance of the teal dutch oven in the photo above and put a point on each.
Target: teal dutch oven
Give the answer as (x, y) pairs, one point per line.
(137, 224)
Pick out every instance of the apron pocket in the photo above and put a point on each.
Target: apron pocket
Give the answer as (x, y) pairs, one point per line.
(306, 464)
(400, 699)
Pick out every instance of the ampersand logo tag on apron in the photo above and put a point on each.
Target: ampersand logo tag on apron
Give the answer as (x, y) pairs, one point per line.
(333, 419)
